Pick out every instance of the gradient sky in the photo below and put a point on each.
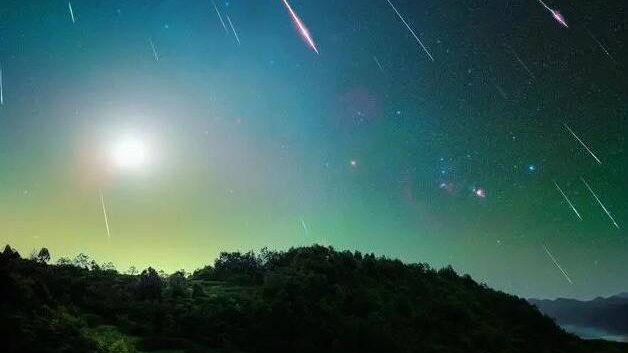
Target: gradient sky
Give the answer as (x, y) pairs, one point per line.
(267, 143)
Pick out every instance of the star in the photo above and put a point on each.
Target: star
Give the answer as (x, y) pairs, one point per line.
(479, 192)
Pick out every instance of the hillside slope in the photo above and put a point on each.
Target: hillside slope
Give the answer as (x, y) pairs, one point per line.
(310, 299)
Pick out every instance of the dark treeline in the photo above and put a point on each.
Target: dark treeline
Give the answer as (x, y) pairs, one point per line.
(308, 299)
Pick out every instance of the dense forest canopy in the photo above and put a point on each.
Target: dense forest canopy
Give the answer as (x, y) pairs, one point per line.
(307, 299)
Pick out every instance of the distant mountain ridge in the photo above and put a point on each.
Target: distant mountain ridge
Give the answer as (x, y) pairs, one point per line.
(605, 315)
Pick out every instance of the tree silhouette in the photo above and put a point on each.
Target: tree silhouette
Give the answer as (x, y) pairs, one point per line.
(177, 284)
(10, 253)
(150, 284)
(81, 260)
(43, 256)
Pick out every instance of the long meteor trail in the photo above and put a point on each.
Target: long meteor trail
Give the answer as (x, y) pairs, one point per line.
(568, 201)
(104, 212)
(233, 29)
(582, 143)
(600, 202)
(303, 31)
(71, 12)
(556, 14)
(220, 18)
(411, 31)
(557, 265)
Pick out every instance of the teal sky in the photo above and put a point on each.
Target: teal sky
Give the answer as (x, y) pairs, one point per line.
(206, 144)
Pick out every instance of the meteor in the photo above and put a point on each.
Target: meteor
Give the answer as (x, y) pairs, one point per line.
(304, 226)
(1, 87)
(154, 50)
(603, 48)
(303, 31)
(500, 90)
(220, 17)
(233, 29)
(378, 64)
(523, 64)
(557, 265)
(582, 143)
(411, 31)
(71, 12)
(556, 14)
(600, 202)
(567, 199)
(104, 212)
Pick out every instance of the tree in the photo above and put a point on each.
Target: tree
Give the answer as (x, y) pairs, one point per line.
(177, 284)
(239, 267)
(43, 256)
(64, 261)
(108, 266)
(150, 284)
(81, 260)
(10, 253)
(132, 271)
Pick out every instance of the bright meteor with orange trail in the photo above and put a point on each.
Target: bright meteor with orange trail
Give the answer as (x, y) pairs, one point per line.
(305, 33)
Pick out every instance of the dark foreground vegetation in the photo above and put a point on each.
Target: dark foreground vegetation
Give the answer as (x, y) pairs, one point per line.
(310, 299)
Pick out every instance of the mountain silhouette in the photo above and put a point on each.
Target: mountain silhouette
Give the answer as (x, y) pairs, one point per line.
(307, 299)
(600, 317)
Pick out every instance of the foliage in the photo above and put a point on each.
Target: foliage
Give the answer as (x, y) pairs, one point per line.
(309, 299)
(150, 284)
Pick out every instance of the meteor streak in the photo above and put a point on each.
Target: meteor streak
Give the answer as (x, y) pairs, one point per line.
(501, 91)
(305, 230)
(1, 87)
(233, 29)
(557, 265)
(582, 143)
(104, 212)
(523, 64)
(220, 18)
(411, 31)
(567, 199)
(378, 64)
(556, 14)
(602, 47)
(71, 12)
(601, 204)
(154, 50)
(305, 33)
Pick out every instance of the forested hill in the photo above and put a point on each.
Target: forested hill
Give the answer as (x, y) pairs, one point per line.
(309, 299)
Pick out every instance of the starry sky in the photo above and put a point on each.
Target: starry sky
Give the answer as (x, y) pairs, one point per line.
(249, 138)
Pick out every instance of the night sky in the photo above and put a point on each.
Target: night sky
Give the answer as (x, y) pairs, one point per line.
(199, 141)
